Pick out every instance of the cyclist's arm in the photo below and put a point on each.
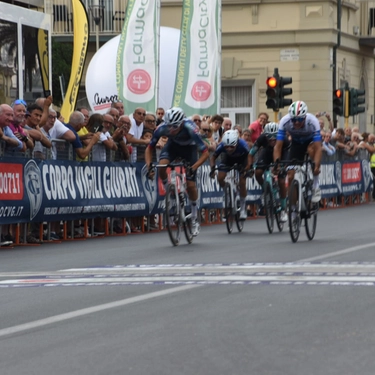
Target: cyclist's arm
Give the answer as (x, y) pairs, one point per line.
(150, 147)
(204, 156)
(212, 160)
(277, 150)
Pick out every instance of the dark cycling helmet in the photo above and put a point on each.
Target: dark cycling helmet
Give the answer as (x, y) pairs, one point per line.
(174, 117)
(271, 128)
(230, 138)
(298, 109)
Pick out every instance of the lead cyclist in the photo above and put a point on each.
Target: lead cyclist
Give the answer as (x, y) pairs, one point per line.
(304, 130)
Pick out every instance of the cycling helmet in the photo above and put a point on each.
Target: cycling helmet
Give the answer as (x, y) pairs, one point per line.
(174, 117)
(298, 109)
(230, 138)
(271, 128)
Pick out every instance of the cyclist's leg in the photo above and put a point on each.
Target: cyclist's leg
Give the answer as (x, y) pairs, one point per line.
(281, 181)
(190, 154)
(265, 158)
(312, 149)
(166, 156)
(243, 192)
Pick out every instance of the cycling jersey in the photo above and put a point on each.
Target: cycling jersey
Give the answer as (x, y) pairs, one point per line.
(309, 132)
(241, 149)
(187, 136)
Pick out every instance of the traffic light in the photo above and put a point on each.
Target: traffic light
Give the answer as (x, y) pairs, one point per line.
(283, 92)
(338, 102)
(272, 92)
(356, 97)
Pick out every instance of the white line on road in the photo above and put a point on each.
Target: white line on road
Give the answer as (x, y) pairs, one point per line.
(91, 310)
(340, 252)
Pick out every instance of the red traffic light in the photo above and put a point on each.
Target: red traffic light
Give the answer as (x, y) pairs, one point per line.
(271, 82)
(338, 93)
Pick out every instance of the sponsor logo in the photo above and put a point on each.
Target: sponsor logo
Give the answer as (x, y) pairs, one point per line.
(201, 91)
(34, 187)
(351, 173)
(367, 175)
(149, 188)
(139, 81)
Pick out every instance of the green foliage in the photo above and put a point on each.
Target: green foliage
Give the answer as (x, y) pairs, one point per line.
(61, 66)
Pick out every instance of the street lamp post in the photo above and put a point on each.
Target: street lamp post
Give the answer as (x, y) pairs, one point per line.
(97, 14)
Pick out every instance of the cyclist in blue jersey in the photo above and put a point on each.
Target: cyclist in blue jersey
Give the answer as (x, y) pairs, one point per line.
(183, 142)
(265, 145)
(304, 129)
(235, 151)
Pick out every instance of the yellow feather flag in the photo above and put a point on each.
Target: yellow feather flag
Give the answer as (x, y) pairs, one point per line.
(80, 44)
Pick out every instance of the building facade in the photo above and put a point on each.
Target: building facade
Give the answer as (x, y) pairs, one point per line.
(322, 45)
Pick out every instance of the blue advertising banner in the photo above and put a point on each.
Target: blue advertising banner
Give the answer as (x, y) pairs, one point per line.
(53, 190)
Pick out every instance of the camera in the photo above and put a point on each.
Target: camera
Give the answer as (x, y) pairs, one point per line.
(97, 127)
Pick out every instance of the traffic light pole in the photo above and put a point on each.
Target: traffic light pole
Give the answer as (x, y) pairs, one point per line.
(346, 105)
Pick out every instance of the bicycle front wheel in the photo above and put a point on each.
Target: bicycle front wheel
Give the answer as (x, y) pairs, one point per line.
(311, 219)
(294, 214)
(173, 216)
(239, 222)
(268, 206)
(228, 210)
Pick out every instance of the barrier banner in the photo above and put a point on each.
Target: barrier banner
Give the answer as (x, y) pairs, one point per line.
(197, 87)
(329, 175)
(137, 65)
(53, 190)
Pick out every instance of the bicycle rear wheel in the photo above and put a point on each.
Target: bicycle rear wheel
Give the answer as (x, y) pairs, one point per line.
(294, 215)
(268, 206)
(173, 217)
(228, 207)
(239, 222)
(311, 219)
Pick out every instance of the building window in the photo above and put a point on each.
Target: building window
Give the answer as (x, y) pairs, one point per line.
(236, 102)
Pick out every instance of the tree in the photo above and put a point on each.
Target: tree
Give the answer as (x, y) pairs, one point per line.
(61, 66)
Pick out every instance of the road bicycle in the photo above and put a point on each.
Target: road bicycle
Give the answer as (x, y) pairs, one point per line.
(176, 203)
(232, 205)
(271, 196)
(300, 205)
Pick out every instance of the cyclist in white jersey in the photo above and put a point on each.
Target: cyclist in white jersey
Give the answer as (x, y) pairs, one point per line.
(304, 129)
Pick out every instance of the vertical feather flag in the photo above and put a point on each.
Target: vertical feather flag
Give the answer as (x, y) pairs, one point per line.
(80, 44)
(137, 65)
(197, 87)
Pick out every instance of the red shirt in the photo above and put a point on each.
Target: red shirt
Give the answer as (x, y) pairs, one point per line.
(256, 130)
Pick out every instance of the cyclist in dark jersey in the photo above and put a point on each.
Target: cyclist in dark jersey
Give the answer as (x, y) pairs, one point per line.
(235, 151)
(265, 145)
(304, 130)
(183, 142)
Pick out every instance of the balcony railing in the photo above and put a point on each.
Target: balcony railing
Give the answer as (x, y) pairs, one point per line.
(112, 15)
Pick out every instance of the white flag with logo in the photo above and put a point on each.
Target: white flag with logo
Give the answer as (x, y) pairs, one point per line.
(138, 56)
(197, 87)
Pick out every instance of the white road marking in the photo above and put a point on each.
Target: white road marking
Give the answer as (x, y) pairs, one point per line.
(339, 252)
(91, 310)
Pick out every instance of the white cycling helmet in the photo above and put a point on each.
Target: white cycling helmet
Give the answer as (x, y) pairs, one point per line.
(230, 138)
(271, 128)
(298, 109)
(174, 117)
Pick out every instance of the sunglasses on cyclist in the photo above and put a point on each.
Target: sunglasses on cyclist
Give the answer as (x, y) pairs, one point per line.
(230, 147)
(298, 119)
(174, 126)
(271, 137)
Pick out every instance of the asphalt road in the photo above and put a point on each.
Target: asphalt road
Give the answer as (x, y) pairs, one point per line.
(245, 303)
